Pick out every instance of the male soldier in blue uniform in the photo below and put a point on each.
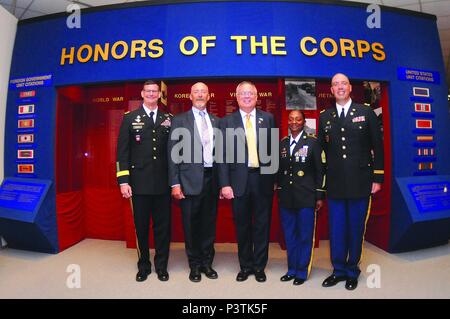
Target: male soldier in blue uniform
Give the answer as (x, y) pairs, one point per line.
(350, 135)
(142, 174)
(301, 182)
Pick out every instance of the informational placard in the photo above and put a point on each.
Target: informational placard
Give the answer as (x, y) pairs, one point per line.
(18, 195)
(416, 75)
(430, 197)
(31, 82)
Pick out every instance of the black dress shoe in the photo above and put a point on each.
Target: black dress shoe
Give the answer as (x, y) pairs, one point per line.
(260, 276)
(287, 277)
(351, 284)
(142, 275)
(195, 275)
(333, 280)
(209, 272)
(163, 275)
(243, 275)
(298, 281)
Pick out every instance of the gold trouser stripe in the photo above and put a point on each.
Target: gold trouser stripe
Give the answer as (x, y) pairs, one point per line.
(365, 228)
(320, 190)
(324, 180)
(313, 243)
(135, 234)
(123, 173)
(378, 171)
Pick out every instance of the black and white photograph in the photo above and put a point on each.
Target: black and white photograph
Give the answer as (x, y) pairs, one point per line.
(300, 94)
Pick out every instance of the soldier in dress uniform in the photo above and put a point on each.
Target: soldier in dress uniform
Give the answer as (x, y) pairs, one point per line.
(301, 184)
(142, 174)
(350, 135)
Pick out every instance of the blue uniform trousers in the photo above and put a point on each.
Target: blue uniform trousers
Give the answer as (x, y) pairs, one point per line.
(299, 230)
(347, 222)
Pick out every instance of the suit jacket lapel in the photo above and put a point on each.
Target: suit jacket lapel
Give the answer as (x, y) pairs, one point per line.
(192, 126)
(159, 118)
(144, 118)
(239, 123)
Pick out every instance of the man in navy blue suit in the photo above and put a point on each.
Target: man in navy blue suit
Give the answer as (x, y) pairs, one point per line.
(244, 179)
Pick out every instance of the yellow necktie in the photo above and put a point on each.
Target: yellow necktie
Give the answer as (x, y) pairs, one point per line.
(251, 143)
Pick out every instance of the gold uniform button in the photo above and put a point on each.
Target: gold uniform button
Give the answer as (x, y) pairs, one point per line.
(154, 157)
(344, 147)
(290, 182)
(154, 131)
(154, 140)
(344, 156)
(301, 173)
(343, 138)
(342, 129)
(154, 148)
(290, 175)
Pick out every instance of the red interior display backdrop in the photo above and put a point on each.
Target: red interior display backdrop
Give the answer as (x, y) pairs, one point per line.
(88, 200)
(89, 204)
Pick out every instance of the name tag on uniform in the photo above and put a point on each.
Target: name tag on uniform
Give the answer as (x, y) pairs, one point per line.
(283, 152)
(137, 126)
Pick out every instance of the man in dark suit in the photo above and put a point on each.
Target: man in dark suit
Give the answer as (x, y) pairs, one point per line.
(301, 184)
(244, 178)
(193, 177)
(350, 135)
(142, 176)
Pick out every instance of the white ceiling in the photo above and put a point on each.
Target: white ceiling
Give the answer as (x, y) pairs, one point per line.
(24, 9)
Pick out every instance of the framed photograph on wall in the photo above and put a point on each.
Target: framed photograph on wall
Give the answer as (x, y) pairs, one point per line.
(300, 94)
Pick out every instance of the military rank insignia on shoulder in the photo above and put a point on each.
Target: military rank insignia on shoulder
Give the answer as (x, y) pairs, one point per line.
(322, 111)
(127, 112)
(167, 122)
(312, 135)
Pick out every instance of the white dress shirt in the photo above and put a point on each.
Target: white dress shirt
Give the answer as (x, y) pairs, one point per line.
(346, 107)
(198, 122)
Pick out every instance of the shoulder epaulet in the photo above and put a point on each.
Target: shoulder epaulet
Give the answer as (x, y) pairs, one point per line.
(312, 135)
(127, 112)
(322, 111)
(284, 138)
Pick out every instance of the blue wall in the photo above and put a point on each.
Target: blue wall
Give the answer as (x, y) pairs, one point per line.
(409, 41)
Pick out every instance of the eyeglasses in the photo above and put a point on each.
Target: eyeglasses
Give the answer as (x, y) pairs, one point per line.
(246, 93)
(151, 91)
(343, 83)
